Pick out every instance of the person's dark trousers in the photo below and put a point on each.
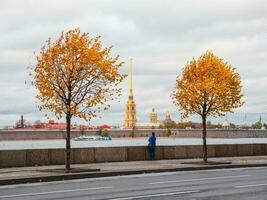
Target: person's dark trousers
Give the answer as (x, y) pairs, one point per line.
(152, 151)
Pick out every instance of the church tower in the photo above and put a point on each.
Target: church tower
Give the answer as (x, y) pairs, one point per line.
(130, 109)
(153, 116)
(168, 116)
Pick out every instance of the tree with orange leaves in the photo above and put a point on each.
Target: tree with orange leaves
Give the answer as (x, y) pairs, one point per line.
(76, 77)
(208, 87)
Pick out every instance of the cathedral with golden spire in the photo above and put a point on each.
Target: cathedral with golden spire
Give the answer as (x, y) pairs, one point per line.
(130, 121)
(130, 110)
(153, 117)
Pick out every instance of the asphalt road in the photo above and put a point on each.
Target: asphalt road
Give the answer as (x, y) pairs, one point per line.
(230, 184)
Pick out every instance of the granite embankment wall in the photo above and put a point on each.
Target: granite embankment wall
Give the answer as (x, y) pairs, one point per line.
(52, 134)
(20, 158)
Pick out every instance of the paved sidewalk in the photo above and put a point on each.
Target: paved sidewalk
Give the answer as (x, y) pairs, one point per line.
(55, 173)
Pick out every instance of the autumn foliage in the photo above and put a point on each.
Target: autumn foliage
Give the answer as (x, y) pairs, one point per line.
(76, 77)
(208, 87)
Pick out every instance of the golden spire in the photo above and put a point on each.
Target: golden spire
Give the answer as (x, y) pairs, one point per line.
(130, 112)
(131, 79)
(168, 115)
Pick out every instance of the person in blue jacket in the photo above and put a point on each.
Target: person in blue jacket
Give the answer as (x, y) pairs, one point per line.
(152, 146)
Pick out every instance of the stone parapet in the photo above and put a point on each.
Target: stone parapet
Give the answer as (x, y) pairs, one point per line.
(36, 157)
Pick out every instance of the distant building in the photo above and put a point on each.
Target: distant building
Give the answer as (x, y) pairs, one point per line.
(20, 123)
(167, 122)
(153, 116)
(130, 121)
(130, 112)
(54, 125)
(258, 124)
(147, 125)
(103, 126)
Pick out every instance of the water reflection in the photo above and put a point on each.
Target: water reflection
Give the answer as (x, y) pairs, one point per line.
(51, 144)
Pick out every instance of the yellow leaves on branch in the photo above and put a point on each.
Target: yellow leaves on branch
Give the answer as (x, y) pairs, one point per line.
(75, 75)
(208, 87)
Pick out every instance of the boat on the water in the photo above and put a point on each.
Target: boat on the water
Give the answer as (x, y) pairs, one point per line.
(91, 138)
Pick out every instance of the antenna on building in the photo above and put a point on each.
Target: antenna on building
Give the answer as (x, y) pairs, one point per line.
(131, 77)
(21, 121)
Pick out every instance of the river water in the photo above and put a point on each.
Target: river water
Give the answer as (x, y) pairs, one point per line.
(52, 144)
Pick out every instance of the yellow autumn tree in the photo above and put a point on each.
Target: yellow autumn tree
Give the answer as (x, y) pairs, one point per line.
(208, 87)
(76, 77)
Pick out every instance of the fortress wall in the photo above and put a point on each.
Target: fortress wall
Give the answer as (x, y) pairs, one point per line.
(36, 157)
(38, 134)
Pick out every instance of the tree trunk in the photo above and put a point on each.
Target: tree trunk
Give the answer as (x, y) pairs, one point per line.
(204, 137)
(67, 150)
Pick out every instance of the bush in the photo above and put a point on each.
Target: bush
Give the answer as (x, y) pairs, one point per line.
(105, 132)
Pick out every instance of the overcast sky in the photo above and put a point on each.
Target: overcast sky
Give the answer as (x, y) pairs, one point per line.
(160, 36)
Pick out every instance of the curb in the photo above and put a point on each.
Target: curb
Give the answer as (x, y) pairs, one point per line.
(62, 177)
